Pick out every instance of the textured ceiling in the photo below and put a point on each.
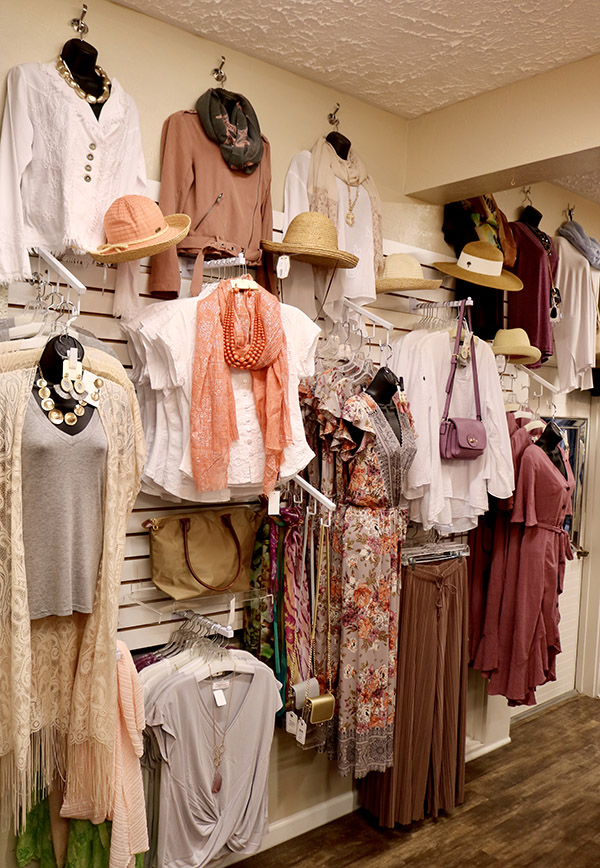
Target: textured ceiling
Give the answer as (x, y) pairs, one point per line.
(587, 185)
(407, 56)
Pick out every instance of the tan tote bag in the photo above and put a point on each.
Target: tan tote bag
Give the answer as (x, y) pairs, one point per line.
(203, 553)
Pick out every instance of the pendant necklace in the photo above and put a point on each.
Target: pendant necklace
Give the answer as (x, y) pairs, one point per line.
(219, 749)
(350, 218)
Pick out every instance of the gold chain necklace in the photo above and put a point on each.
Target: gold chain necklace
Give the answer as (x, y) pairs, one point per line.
(350, 218)
(219, 749)
(65, 73)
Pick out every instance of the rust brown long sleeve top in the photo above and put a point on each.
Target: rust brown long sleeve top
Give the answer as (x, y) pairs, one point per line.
(230, 211)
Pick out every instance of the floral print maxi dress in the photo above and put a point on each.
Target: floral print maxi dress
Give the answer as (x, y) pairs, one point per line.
(374, 526)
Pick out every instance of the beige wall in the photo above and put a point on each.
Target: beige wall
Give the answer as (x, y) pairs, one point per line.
(165, 69)
(536, 129)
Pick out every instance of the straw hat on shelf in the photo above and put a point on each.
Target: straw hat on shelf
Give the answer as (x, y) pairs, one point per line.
(312, 237)
(135, 227)
(514, 344)
(481, 262)
(403, 271)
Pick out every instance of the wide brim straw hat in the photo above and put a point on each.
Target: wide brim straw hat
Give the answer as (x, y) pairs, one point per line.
(481, 262)
(135, 227)
(312, 237)
(514, 344)
(403, 271)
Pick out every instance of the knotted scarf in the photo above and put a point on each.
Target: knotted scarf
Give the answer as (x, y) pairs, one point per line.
(575, 234)
(324, 167)
(213, 419)
(229, 120)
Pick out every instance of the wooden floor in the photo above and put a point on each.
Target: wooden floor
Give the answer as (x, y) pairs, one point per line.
(535, 802)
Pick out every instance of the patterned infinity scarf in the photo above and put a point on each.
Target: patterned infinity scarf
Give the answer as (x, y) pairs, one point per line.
(229, 120)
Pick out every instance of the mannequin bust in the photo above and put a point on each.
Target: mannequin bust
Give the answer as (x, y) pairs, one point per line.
(531, 216)
(382, 389)
(51, 367)
(340, 144)
(81, 58)
(549, 441)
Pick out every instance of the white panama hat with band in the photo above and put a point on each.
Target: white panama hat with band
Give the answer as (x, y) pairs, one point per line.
(481, 263)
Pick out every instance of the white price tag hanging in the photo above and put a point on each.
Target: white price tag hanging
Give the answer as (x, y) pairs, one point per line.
(291, 722)
(301, 731)
(283, 266)
(219, 698)
(274, 501)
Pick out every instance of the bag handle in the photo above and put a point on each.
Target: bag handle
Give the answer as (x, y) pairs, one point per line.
(226, 519)
(454, 362)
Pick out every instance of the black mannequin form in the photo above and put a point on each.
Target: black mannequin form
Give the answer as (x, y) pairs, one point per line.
(81, 59)
(531, 216)
(340, 144)
(549, 441)
(51, 366)
(382, 389)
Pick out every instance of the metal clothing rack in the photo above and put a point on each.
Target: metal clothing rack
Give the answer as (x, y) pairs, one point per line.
(314, 492)
(205, 605)
(429, 552)
(415, 304)
(63, 273)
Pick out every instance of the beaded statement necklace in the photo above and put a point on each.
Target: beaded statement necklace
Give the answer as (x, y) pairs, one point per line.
(65, 73)
(235, 356)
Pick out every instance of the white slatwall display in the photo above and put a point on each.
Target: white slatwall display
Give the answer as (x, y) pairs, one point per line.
(138, 626)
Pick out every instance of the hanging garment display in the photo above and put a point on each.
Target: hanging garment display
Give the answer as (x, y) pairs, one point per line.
(229, 120)
(451, 495)
(61, 166)
(75, 703)
(536, 265)
(575, 334)
(479, 219)
(428, 774)
(230, 210)
(576, 235)
(372, 532)
(213, 776)
(162, 345)
(343, 190)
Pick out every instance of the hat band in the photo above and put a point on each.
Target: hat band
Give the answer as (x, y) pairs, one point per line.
(478, 265)
(122, 246)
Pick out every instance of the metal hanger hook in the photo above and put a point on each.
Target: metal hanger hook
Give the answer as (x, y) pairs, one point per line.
(333, 118)
(78, 24)
(218, 74)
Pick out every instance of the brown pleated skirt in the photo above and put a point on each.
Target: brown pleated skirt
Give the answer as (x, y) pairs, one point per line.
(428, 775)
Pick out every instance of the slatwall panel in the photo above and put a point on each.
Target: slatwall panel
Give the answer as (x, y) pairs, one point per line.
(138, 626)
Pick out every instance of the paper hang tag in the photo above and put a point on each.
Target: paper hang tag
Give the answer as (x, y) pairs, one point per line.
(88, 379)
(72, 369)
(283, 266)
(274, 501)
(301, 732)
(219, 698)
(291, 722)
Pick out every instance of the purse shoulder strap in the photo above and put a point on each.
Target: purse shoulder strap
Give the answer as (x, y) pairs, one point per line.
(454, 362)
(226, 519)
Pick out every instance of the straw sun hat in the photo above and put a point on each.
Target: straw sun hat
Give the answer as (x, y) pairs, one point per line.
(514, 344)
(403, 271)
(481, 263)
(135, 227)
(312, 237)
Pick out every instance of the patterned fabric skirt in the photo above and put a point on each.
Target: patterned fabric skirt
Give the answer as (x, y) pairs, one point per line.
(366, 694)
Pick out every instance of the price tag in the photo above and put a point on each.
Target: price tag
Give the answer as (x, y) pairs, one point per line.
(219, 698)
(283, 266)
(274, 501)
(301, 732)
(291, 722)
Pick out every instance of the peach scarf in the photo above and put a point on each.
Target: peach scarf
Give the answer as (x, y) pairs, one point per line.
(213, 419)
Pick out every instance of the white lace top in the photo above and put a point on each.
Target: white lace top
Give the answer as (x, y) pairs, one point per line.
(60, 166)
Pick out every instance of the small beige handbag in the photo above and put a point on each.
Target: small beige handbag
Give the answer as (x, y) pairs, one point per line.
(203, 553)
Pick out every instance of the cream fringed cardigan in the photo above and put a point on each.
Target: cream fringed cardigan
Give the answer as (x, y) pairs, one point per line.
(58, 675)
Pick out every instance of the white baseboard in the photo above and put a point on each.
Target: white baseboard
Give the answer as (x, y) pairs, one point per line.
(304, 821)
(475, 749)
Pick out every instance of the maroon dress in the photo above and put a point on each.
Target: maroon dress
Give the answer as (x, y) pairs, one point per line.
(528, 632)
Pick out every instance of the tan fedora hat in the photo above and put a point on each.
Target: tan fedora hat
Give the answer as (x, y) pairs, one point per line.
(514, 344)
(403, 271)
(481, 262)
(135, 227)
(312, 237)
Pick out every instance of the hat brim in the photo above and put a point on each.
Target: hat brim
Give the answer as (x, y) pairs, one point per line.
(519, 355)
(506, 280)
(178, 228)
(389, 284)
(323, 257)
